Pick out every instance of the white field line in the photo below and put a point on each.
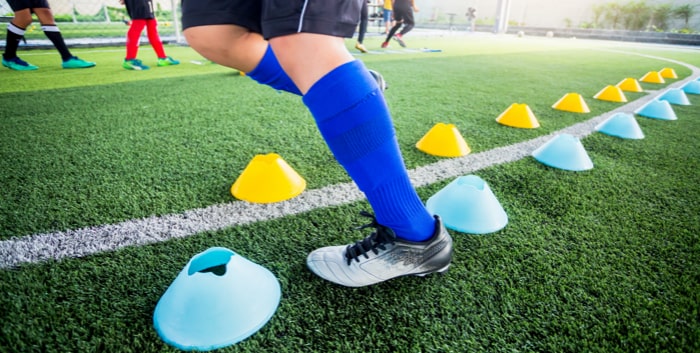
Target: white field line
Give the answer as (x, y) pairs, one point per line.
(91, 240)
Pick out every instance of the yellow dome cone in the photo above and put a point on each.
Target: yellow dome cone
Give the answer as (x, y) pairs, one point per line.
(630, 85)
(611, 94)
(668, 72)
(652, 77)
(518, 115)
(443, 140)
(266, 179)
(572, 102)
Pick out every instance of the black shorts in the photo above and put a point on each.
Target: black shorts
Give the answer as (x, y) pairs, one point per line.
(17, 5)
(403, 14)
(274, 18)
(139, 9)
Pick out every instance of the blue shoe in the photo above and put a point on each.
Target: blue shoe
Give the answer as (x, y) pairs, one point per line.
(18, 64)
(134, 64)
(77, 63)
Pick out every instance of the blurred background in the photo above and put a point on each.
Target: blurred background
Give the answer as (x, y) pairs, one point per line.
(96, 21)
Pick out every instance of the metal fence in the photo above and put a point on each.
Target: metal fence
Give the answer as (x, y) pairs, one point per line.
(95, 22)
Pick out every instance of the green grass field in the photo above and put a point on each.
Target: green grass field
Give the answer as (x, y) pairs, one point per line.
(606, 260)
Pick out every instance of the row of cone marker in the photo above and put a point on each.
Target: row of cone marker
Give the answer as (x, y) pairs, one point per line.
(268, 178)
(220, 298)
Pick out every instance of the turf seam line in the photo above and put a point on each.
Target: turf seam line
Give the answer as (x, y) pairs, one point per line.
(91, 240)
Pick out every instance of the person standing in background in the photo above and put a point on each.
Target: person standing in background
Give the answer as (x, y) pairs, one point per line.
(388, 7)
(471, 18)
(142, 15)
(403, 15)
(364, 19)
(23, 10)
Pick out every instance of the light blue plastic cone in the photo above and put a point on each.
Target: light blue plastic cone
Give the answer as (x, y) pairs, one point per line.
(218, 299)
(657, 109)
(622, 125)
(675, 96)
(468, 205)
(692, 87)
(564, 152)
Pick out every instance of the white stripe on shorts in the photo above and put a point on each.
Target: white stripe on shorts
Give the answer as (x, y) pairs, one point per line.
(301, 18)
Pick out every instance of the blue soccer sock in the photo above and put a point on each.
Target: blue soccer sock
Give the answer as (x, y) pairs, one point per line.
(269, 72)
(353, 118)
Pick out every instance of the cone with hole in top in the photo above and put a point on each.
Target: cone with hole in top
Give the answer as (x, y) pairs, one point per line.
(630, 84)
(268, 178)
(520, 116)
(691, 87)
(668, 72)
(652, 77)
(611, 94)
(468, 205)
(218, 299)
(657, 109)
(564, 151)
(622, 125)
(674, 96)
(572, 102)
(443, 140)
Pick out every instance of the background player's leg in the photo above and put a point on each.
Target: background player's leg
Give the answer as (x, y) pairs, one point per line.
(48, 25)
(154, 37)
(133, 36)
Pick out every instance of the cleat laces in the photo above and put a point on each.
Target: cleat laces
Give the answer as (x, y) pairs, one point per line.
(374, 242)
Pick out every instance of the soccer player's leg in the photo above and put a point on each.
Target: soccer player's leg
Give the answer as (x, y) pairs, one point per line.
(15, 33)
(353, 117)
(51, 30)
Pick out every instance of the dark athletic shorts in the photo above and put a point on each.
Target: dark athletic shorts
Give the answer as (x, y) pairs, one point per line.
(139, 9)
(403, 13)
(274, 18)
(17, 5)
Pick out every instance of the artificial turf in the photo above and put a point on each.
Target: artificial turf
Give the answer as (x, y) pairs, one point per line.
(605, 260)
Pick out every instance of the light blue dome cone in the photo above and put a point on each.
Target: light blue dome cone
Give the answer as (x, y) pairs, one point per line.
(675, 96)
(218, 299)
(468, 205)
(622, 125)
(657, 109)
(692, 87)
(564, 152)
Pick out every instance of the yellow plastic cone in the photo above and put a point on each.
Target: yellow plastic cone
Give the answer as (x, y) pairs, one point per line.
(652, 77)
(266, 179)
(572, 102)
(518, 115)
(611, 94)
(668, 72)
(443, 140)
(630, 85)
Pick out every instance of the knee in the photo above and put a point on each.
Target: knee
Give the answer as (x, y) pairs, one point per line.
(22, 19)
(227, 45)
(210, 39)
